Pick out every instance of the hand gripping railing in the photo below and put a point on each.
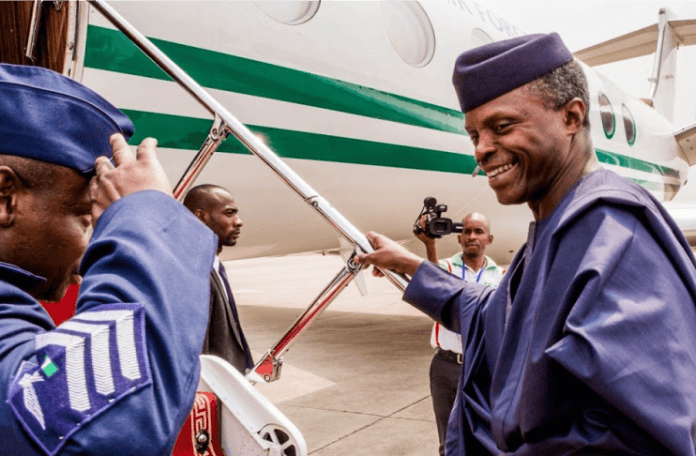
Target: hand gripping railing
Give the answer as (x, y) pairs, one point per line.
(268, 368)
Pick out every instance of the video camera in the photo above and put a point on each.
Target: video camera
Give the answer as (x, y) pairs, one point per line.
(436, 226)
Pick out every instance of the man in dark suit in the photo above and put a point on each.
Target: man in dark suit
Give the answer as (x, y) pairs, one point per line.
(215, 207)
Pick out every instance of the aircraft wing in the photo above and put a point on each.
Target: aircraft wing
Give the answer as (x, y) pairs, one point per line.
(684, 214)
(635, 44)
(686, 137)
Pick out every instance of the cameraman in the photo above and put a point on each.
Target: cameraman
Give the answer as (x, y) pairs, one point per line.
(471, 265)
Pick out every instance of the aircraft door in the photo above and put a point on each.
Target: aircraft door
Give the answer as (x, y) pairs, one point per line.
(46, 34)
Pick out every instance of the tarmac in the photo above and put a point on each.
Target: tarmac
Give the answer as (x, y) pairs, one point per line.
(356, 382)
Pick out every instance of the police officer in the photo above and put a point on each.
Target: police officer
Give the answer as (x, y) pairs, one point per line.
(119, 377)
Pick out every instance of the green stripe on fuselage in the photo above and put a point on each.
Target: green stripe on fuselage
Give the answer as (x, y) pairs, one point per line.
(188, 133)
(624, 161)
(650, 186)
(112, 51)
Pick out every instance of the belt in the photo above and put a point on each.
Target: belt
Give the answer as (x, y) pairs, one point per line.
(450, 355)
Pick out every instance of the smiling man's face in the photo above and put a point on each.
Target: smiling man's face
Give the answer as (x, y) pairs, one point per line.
(520, 144)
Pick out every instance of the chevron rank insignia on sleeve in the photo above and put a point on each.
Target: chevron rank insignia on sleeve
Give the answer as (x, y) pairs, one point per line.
(78, 371)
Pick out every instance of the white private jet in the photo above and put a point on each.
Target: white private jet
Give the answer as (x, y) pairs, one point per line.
(356, 98)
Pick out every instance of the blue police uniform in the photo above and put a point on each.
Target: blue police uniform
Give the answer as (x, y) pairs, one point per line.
(145, 291)
(588, 345)
(120, 376)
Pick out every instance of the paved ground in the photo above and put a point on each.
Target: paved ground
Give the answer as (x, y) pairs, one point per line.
(356, 383)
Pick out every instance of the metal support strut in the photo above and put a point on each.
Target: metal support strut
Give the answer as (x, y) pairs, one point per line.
(268, 368)
(33, 33)
(34, 24)
(218, 133)
(225, 123)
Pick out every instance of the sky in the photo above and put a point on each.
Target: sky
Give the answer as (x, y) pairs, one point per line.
(582, 24)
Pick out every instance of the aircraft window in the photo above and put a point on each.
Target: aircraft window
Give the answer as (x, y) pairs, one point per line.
(606, 112)
(410, 31)
(629, 125)
(289, 12)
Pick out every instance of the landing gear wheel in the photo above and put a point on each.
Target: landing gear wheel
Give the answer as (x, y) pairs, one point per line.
(285, 445)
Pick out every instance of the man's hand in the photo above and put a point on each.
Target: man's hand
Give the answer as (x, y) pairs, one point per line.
(430, 243)
(424, 238)
(388, 255)
(131, 174)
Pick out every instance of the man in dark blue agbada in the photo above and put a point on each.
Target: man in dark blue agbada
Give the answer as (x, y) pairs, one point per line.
(120, 376)
(588, 345)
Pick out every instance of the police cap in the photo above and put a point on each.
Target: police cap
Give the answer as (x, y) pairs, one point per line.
(48, 117)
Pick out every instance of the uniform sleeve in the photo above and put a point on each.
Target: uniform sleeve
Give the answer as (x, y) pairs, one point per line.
(630, 331)
(120, 376)
(445, 298)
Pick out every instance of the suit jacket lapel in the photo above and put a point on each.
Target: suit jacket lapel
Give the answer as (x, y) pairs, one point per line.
(222, 292)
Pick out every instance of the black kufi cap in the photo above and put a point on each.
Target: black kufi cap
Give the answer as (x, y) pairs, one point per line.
(486, 72)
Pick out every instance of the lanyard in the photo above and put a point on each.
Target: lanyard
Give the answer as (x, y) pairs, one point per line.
(478, 277)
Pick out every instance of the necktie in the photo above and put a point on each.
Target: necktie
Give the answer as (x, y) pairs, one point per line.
(236, 326)
(226, 282)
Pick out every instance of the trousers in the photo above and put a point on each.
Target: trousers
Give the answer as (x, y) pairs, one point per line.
(445, 370)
